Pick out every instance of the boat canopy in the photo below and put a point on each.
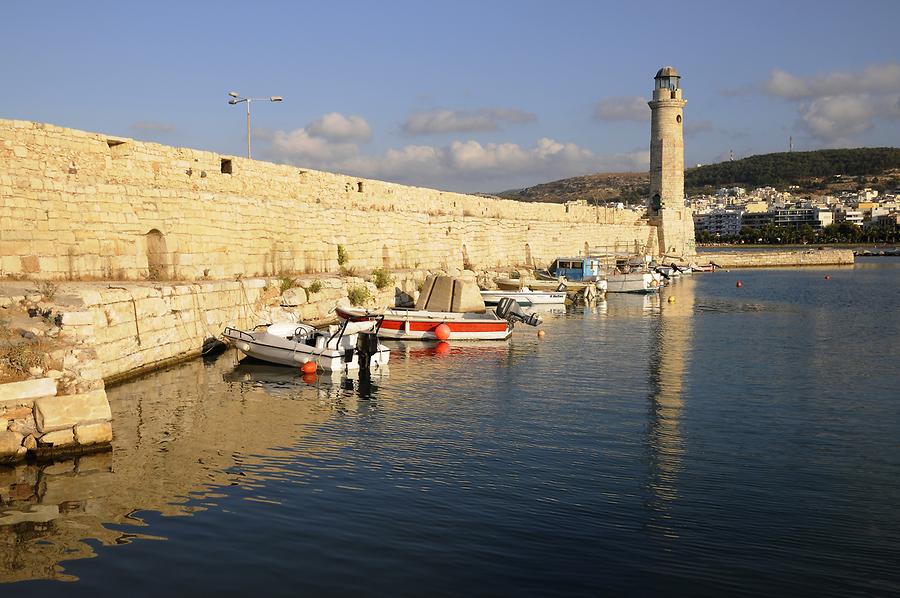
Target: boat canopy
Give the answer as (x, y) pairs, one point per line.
(450, 294)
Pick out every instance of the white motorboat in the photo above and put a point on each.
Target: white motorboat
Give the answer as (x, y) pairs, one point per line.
(631, 282)
(526, 297)
(338, 348)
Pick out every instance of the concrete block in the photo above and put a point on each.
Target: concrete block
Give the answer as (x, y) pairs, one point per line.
(57, 413)
(27, 389)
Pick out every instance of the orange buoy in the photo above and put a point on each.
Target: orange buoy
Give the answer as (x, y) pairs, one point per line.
(739, 284)
(442, 348)
(442, 332)
(309, 368)
(309, 378)
(541, 333)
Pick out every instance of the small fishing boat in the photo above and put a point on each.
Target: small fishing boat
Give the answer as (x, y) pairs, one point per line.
(631, 282)
(449, 301)
(338, 348)
(526, 296)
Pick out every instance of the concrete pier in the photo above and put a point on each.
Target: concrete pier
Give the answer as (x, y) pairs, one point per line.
(770, 259)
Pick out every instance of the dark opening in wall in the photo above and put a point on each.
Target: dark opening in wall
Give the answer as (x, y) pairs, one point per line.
(227, 168)
(157, 255)
(118, 147)
(359, 186)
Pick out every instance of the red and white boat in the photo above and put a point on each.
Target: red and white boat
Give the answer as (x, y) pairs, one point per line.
(444, 300)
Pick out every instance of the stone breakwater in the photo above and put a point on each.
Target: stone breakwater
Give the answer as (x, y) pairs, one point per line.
(33, 419)
(105, 332)
(771, 259)
(78, 206)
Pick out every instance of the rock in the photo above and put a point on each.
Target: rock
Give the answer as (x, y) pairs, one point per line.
(98, 433)
(58, 438)
(17, 412)
(77, 318)
(30, 442)
(35, 371)
(28, 389)
(57, 413)
(54, 374)
(10, 443)
(24, 426)
(294, 297)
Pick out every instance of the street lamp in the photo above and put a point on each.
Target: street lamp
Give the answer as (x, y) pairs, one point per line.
(237, 99)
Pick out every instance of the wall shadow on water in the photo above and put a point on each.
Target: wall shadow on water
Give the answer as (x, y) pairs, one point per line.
(181, 436)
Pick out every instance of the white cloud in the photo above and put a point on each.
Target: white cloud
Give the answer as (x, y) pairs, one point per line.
(334, 126)
(836, 119)
(458, 121)
(628, 108)
(837, 107)
(299, 146)
(462, 165)
(873, 79)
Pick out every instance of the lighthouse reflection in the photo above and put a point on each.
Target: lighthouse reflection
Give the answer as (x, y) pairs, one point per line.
(669, 361)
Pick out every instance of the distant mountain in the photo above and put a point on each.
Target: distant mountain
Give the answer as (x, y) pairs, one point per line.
(595, 188)
(795, 168)
(819, 170)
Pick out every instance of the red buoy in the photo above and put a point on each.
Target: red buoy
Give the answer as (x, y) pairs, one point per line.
(827, 277)
(739, 284)
(442, 332)
(309, 367)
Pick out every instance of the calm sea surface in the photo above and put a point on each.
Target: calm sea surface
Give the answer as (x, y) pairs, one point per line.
(736, 441)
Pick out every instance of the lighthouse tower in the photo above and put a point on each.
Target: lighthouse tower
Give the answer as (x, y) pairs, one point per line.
(674, 222)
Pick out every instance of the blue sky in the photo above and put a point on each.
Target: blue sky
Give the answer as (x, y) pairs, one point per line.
(469, 96)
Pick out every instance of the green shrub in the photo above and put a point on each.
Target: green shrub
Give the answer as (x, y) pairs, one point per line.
(315, 287)
(382, 278)
(348, 271)
(342, 255)
(358, 295)
(285, 283)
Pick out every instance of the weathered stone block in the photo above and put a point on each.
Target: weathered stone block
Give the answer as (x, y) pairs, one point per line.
(58, 438)
(78, 318)
(27, 389)
(57, 413)
(10, 442)
(98, 433)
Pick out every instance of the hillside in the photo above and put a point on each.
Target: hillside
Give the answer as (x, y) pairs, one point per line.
(795, 168)
(595, 188)
(820, 171)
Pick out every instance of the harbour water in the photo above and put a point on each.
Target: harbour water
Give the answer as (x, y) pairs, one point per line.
(734, 441)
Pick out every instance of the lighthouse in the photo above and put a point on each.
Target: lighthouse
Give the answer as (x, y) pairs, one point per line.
(667, 211)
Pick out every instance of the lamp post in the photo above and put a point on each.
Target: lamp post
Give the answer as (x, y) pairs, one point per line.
(237, 99)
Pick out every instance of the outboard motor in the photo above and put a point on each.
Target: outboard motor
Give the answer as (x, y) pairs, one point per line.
(509, 310)
(366, 347)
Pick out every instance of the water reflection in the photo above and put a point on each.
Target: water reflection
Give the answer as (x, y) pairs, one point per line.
(180, 437)
(669, 362)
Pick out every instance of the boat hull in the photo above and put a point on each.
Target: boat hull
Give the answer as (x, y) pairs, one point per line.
(403, 324)
(525, 297)
(334, 357)
(631, 283)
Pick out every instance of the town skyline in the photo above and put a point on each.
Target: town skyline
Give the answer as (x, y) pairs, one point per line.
(464, 98)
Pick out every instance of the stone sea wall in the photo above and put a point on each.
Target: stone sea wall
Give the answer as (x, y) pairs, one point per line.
(768, 259)
(78, 205)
